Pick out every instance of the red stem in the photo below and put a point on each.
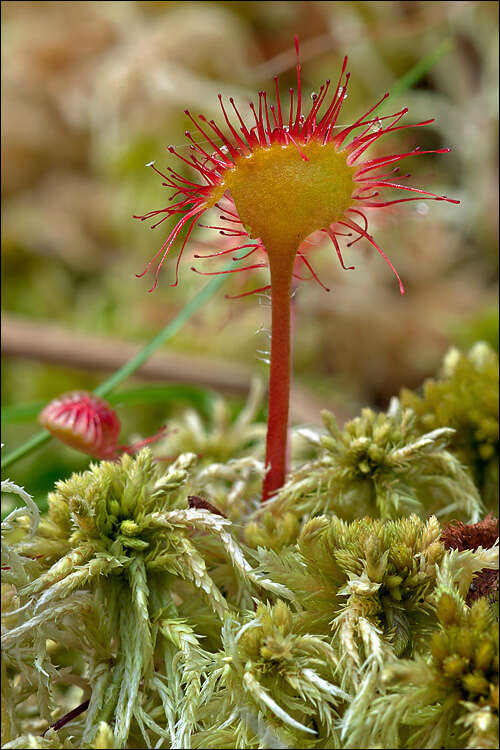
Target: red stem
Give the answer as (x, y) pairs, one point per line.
(279, 376)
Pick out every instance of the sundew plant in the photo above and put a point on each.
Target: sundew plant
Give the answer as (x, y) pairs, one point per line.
(210, 587)
(274, 183)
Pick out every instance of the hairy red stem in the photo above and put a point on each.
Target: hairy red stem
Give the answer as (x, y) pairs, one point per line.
(279, 377)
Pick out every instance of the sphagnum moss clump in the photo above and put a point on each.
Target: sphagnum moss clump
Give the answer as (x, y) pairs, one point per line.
(465, 397)
(272, 684)
(381, 465)
(148, 601)
(367, 582)
(122, 545)
(368, 586)
(448, 698)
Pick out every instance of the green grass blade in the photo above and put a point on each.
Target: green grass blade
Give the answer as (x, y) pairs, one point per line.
(418, 71)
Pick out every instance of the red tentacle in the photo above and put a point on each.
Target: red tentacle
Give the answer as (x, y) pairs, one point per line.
(247, 294)
(357, 228)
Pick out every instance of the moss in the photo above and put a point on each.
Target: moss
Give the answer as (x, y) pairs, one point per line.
(465, 397)
(382, 466)
(106, 574)
(381, 573)
(455, 687)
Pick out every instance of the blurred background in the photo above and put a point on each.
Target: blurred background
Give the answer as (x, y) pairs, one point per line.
(93, 91)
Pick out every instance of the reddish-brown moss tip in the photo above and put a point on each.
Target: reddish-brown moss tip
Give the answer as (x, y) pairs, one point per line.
(462, 536)
(458, 535)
